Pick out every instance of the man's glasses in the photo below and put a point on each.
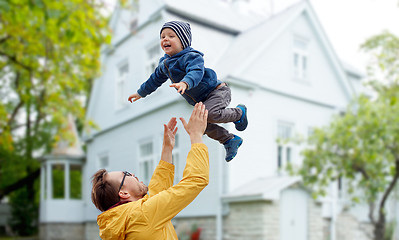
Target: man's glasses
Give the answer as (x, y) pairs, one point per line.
(125, 173)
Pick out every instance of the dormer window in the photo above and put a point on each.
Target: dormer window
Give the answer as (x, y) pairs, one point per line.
(300, 58)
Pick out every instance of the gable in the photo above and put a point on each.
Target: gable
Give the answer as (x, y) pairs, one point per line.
(274, 69)
(263, 56)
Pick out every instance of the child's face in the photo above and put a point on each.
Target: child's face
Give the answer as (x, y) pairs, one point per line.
(170, 42)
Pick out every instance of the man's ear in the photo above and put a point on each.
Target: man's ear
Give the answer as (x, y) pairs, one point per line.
(124, 195)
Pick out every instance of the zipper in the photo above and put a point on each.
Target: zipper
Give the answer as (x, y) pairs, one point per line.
(170, 76)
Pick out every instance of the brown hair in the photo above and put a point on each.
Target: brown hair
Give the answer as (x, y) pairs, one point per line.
(103, 194)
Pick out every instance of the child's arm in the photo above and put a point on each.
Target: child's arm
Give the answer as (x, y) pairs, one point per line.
(194, 70)
(156, 79)
(134, 96)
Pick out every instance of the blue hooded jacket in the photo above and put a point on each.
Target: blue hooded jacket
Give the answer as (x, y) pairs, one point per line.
(186, 66)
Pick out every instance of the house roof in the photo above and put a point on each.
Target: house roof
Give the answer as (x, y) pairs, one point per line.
(270, 28)
(221, 15)
(261, 189)
(67, 148)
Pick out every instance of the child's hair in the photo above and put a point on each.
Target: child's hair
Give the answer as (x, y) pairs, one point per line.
(182, 30)
(103, 194)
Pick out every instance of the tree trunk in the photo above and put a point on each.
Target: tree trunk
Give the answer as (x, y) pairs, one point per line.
(379, 229)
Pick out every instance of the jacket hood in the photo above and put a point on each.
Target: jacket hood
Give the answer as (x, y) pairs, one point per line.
(112, 224)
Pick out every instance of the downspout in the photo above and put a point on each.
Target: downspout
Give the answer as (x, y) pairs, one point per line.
(219, 210)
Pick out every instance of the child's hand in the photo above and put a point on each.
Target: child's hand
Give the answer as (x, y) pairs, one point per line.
(134, 96)
(181, 87)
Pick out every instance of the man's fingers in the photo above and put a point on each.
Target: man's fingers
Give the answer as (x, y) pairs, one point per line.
(183, 122)
(172, 123)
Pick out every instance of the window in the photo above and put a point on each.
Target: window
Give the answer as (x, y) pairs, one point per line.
(284, 149)
(146, 161)
(121, 95)
(300, 58)
(153, 56)
(75, 178)
(103, 161)
(58, 177)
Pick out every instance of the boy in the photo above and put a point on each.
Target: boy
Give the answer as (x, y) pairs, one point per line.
(184, 66)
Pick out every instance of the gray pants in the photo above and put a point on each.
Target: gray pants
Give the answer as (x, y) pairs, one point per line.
(216, 104)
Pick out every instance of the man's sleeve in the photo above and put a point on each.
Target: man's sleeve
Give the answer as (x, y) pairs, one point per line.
(168, 203)
(162, 178)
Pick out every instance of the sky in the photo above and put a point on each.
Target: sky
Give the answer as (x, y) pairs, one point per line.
(348, 23)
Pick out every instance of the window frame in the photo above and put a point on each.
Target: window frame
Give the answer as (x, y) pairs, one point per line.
(121, 84)
(301, 65)
(284, 150)
(143, 159)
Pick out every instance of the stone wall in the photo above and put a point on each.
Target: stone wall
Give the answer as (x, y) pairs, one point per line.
(316, 223)
(252, 221)
(62, 231)
(349, 228)
(184, 226)
(92, 232)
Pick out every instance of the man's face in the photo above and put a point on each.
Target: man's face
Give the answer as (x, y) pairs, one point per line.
(170, 42)
(131, 183)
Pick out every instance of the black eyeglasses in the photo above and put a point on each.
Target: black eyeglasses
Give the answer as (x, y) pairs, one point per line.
(125, 173)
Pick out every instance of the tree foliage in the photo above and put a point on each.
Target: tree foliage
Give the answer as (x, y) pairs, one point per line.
(49, 56)
(362, 146)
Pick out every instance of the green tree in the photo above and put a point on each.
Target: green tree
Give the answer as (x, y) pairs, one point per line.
(362, 146)
(49, 55)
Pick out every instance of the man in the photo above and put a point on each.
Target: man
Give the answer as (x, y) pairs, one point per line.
(129, 213)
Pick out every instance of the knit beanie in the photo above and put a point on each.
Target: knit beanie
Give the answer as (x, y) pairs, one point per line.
(182, 30)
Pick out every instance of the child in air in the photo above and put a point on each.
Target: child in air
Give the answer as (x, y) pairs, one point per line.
(184, 66)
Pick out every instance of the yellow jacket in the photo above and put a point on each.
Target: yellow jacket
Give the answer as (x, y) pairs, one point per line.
(150, 217)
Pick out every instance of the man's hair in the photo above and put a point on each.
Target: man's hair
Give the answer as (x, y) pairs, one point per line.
(103, 194)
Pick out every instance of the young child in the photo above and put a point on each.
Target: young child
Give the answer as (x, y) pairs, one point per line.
(184, 66)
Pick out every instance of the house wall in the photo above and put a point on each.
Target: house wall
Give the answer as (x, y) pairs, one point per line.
(273, 96)
(257, 157)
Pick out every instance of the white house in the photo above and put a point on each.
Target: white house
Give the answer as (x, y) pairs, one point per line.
(281, 66)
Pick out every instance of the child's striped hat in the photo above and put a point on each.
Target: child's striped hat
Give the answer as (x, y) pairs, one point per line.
(182, 30)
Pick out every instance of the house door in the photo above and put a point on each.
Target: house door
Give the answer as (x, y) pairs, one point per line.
(294, 215)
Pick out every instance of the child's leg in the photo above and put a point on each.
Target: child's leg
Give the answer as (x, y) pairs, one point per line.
(218, 133)
(216, 104)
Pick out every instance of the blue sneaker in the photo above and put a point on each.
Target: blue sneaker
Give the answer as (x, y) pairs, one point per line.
(242, 124)
(231, 147)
